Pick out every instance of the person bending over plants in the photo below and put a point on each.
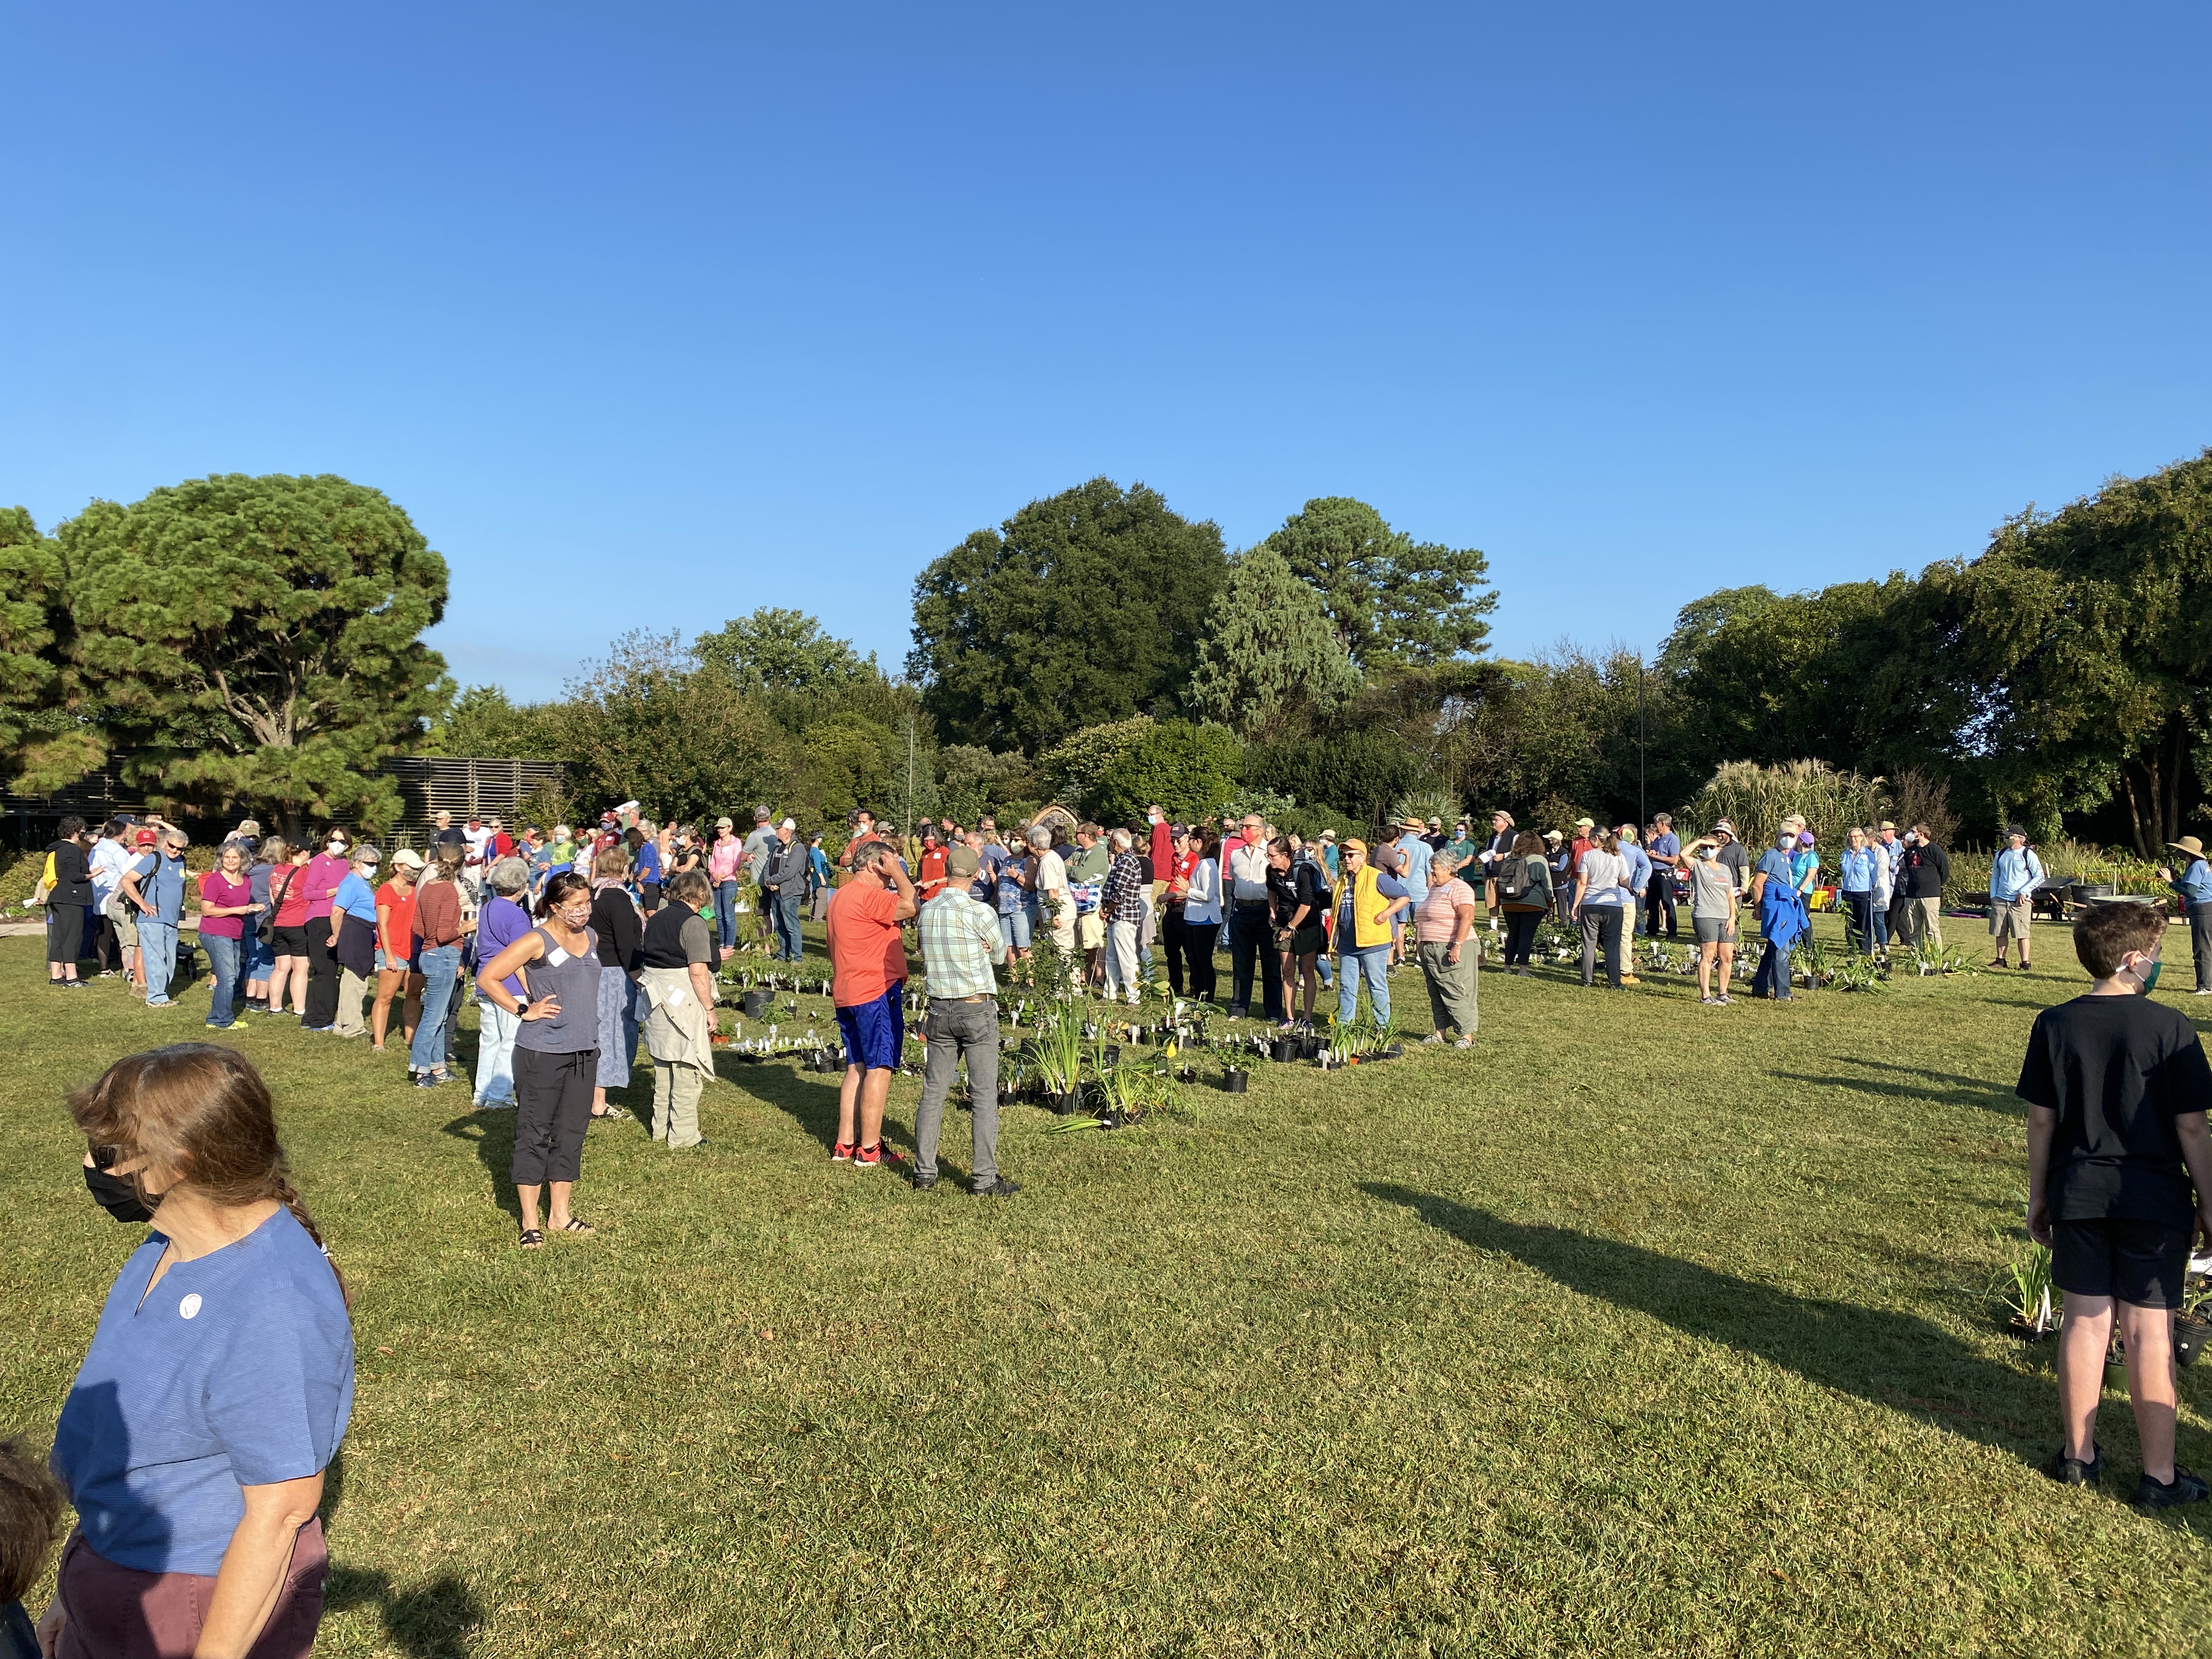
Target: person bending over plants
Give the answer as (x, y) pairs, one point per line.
(2119, 1181)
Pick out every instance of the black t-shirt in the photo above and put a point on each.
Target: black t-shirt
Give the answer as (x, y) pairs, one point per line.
(2117, 1071)
(615, 918)
(1301, 883)
(1926, 868)
(1737, 857)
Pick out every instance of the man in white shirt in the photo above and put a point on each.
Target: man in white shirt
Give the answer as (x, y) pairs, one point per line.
(1249, 935)
(1056, 905)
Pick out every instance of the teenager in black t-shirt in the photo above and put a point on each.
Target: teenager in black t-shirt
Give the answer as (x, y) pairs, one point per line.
(2120, 1181)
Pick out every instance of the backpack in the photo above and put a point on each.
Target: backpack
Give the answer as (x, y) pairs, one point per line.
(1516, 884)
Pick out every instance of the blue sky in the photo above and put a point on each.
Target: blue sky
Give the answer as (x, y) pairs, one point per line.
(649, 316)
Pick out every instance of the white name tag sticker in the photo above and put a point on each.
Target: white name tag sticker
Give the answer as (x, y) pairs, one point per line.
(556, 957)
(675, 997)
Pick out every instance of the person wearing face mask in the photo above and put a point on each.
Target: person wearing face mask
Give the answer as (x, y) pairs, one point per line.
(2119, 1184)
(1916, 902)
(2194, 889)
(218, 1383)
(325, 874)
(557, 1050)
(1782, 918)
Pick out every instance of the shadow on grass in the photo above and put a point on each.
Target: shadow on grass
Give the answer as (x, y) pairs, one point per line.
(1893, 1360)
(1951, 1088)
(493, 1134)
(809, 1100)
(438, 1620)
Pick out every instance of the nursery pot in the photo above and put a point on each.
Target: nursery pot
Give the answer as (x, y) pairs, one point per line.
(1309, 1048)
(755, 1003)
(1111, 1053)
(1235, 1080)
(1284, 1048)
(2188, 1335)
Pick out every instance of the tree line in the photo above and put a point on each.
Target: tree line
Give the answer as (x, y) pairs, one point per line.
(259, 640)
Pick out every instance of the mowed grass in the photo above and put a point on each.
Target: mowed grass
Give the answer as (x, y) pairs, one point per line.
(1645, 1328)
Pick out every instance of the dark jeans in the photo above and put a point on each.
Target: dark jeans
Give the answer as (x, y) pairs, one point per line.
(1198, 942)
(322, 977)
(725, 913)
(1521, 936)
(783, 911)
(1171, 944)
(2200, 942)
(1250, 939)
(1858, 923)
(955, 1029)
(1773, 974)
(1602, 929)
(1657, 898)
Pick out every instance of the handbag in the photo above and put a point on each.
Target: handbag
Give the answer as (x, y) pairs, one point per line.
(265, 930)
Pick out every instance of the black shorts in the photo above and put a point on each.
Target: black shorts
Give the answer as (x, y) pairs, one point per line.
(2138, 1262)
(292, 941)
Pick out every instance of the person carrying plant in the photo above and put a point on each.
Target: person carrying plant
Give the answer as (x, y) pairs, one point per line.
(2120, 1181)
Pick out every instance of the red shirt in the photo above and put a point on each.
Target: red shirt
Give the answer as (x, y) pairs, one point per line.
(1580, 845)
(293, 911)
(1164, 855)
(1183, 867)
(867, 953)
(398, 934)
(932, 873)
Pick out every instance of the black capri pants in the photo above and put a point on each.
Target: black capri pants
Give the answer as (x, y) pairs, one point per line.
(552, 1110)
(65, 933)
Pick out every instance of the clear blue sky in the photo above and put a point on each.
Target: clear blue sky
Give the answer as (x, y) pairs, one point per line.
(649, 315)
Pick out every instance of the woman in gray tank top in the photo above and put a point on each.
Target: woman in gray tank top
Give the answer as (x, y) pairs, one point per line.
(557, 1049)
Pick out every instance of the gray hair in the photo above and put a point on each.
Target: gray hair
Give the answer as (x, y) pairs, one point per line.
(1120, 841)
(173, 836)
(1040, 837)
(508, 876)
(867, 852)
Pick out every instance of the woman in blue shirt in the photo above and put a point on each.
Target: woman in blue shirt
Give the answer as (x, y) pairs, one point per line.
(218, 1384)
(1861, 869)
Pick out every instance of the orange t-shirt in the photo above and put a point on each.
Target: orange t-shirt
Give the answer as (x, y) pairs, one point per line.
(932, 874)
(868, 954)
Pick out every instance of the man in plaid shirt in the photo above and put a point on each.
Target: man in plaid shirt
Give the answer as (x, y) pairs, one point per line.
(1128, 884)
(960, 943)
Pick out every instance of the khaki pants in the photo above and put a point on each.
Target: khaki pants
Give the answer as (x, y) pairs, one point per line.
(1920, 918)
(676, 1102)
(352, 988)
(1452, 990)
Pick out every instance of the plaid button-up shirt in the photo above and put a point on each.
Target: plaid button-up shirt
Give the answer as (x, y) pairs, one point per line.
(1124, 898)
(960, 941)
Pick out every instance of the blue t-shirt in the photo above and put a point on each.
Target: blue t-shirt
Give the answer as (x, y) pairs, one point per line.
(162, 882)
(236, 1372)
(990, 858)
(648, 862)
(1775, 863)
(1417, 854)
(355, 897)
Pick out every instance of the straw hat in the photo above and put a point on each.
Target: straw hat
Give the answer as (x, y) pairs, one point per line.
(2189, 844)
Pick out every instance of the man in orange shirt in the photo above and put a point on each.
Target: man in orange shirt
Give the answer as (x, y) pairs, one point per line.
(867, 966)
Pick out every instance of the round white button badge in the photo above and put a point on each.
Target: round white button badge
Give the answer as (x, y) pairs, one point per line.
(189, 1306)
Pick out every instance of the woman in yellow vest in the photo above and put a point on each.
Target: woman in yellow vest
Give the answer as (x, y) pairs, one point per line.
(1368, 894)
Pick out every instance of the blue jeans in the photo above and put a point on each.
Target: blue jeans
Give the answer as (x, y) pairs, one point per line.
(441, 966)
(1882, 926)
(496, 1030)
(1773, 974)
(1373, 964)
(157, 947)
(783, 910)
(725, 913)
(222, 961)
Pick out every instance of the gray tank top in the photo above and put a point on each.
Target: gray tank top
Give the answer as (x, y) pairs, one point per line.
(573, 981)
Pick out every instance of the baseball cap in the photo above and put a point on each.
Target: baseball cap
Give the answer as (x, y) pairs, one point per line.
(408, 858)
(1585, 823)
(145, 838)
(724, 823)
(1553, 835)
(789, 823)
(761, 815)
(1328, 835)
(962, 861)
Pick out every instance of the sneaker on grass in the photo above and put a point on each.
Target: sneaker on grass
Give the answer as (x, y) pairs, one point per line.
(2183, 1488)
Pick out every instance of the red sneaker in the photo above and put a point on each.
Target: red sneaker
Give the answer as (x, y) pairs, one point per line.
(868, 1157)
(843, 1153)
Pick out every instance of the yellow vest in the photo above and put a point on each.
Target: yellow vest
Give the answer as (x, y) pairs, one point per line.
(1368, 926)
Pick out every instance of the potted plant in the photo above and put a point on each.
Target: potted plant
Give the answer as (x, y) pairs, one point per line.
(2029, 1299)
(2193, 1321)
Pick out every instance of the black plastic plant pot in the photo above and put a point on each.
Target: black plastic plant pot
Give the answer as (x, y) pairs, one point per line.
(755, 1003)
(1111, 1055)
(2188, 1335)
(1310, 1047)
(1068, 1105)
(1236, 1081)
(1395, 1051)
(1284, 1048)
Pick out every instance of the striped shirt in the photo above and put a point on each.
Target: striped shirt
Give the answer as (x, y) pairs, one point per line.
(960, 941)
(1436, 918)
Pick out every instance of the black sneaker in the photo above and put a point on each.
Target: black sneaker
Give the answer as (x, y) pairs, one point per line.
(2073, 1472)
(1001, 1187)
(922, 1182)
(2183, 1488)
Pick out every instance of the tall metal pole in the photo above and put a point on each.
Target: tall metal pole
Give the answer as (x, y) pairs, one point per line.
(1643, 815)
(909, 774)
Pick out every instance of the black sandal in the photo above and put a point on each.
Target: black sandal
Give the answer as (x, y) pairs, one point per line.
(575, 1225)
(532, 1239)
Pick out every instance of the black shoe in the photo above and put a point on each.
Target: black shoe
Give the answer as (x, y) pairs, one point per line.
(2073, 1472)
(1233, 1012)
(1001, 1187)
(922, 1182)
(2183, 1488)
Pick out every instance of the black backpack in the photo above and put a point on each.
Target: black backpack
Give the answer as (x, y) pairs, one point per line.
(1517, 884)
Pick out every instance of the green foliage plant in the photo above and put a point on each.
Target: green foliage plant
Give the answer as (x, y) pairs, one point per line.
(1188, 771)
(1390, 600)
(1269, 661)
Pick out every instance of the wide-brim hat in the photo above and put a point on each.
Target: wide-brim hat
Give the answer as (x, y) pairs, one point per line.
(2189, 844)
(1411, 822)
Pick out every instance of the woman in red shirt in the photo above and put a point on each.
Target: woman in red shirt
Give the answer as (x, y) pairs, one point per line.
(395, 951)
(288, 891)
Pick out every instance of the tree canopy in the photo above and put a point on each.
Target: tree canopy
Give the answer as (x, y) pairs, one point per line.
(1392, 600)
(782, 650)
(1269, 659)
(1084, 607)
(259, 639)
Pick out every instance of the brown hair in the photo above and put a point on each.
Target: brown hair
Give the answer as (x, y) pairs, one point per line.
(31, 1504)
(2110, 932)
(1527, 844)
(567, 882)
(691, 887)
(199, 1113)
(613, 861)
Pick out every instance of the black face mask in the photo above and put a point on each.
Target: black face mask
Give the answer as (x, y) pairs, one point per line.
(115, 1195)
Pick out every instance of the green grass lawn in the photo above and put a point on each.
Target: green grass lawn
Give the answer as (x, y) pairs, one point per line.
(1644, 1328)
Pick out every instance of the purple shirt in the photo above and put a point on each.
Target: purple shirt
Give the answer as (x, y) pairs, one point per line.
(216, 888)
(499, 924)
(319, 881)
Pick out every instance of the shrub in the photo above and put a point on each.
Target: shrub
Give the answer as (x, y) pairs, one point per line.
(1188, 771)
(1357, 774)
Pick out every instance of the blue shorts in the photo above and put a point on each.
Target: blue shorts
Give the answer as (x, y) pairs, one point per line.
(1018, 926)
(875, 1031)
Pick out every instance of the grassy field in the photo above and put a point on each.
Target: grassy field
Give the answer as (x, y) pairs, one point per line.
(1644, 1328)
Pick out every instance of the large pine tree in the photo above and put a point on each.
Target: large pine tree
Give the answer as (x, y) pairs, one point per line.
(1269, 659)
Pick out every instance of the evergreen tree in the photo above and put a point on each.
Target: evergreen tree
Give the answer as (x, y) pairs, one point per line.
(1391, 600)
(1269, 659)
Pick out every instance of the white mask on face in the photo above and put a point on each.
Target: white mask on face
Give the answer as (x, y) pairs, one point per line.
(1783, 843)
